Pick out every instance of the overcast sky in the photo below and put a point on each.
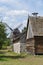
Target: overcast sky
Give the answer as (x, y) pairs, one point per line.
(15, 12)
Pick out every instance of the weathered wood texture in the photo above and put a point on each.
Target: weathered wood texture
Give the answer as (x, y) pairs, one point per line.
(35, 45)
(20, 43)
(35, 35)
(39, 44)
(30, 46)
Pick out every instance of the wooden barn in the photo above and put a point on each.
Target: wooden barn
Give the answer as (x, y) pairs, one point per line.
(34, 44)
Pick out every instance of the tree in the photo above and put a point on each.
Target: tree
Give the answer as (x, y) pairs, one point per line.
(24, 29)
(3, 35)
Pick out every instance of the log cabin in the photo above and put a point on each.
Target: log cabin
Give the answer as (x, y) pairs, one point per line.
(34, 43)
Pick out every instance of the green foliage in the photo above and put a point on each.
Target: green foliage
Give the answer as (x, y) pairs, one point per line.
(24, 29)
(7, 42)
(3, 35)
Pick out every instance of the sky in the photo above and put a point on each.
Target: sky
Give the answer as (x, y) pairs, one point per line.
(15, 12)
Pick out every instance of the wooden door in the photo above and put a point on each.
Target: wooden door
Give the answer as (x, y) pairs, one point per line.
(39, 45)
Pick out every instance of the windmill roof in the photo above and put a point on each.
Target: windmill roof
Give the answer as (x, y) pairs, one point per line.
(20, 36)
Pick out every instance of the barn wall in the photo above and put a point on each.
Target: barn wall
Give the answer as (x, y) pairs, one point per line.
(30, 46)
(39, 44)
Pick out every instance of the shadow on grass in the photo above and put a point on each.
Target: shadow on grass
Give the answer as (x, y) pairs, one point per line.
(12, 57)
(2, 59)
(2, 52)
(5, 58)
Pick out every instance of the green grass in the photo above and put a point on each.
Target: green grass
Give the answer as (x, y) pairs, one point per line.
(11, 58)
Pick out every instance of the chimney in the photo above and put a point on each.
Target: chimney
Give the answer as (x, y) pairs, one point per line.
(35, 14)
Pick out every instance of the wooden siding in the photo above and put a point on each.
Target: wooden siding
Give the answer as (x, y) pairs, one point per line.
(39, 44)
(30, 46)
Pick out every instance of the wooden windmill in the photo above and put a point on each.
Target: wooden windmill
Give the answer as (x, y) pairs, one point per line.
(15, 32)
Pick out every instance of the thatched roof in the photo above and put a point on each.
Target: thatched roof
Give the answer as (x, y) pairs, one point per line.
(35, 26)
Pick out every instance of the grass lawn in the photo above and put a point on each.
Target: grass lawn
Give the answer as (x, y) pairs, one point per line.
(11, 58)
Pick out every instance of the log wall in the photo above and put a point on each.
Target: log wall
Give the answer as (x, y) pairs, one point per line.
(30, 46)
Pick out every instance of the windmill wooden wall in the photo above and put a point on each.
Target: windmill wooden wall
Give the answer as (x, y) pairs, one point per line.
(19, 44)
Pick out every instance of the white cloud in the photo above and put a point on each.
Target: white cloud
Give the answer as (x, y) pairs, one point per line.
(5, 1)
(7, 12)
(16, 12)
(3, 9)
(10, 14)
(25, 23)
(8, 20)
